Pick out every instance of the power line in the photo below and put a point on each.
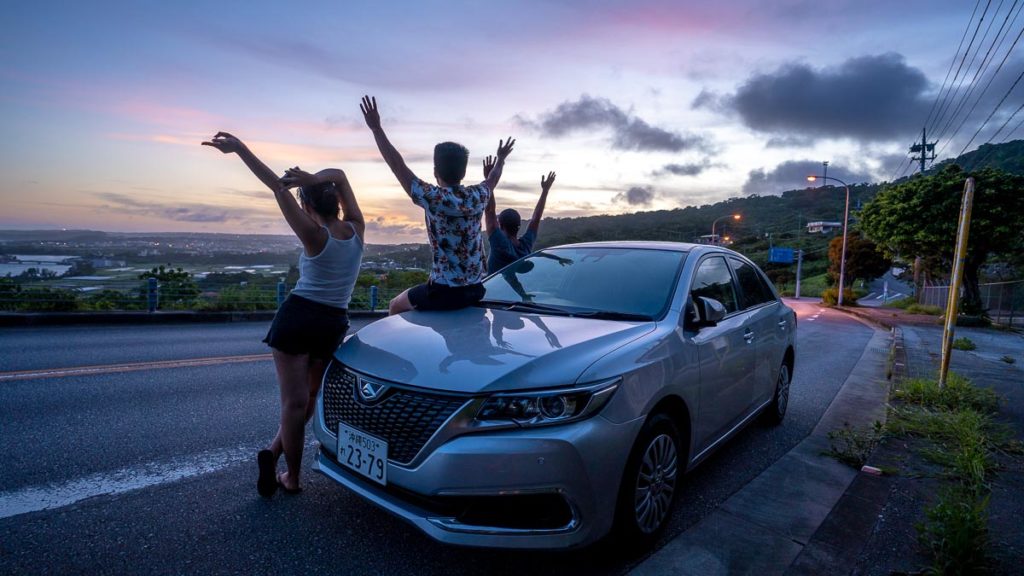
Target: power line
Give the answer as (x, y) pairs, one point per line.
(991, 79)
(993, 113)
(985, 62)
(942, 108)
(952, 62)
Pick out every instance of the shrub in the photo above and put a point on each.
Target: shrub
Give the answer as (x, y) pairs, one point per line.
(964, 343)
(903, 303)
(831, 297)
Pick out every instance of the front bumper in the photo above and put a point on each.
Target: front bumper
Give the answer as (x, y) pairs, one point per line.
(579, 464)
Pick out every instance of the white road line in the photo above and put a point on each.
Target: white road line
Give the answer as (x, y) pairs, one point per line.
(36, 498)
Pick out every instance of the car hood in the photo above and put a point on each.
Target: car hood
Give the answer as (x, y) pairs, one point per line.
(476, 350)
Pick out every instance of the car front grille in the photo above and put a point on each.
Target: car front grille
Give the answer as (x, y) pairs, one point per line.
(405, 418)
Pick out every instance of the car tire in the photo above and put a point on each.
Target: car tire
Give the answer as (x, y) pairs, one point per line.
(776, 411)
(650, 482)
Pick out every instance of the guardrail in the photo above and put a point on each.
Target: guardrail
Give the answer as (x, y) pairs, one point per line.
(151, 295)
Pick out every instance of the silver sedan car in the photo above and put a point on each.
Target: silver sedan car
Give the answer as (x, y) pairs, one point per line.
(564, 406)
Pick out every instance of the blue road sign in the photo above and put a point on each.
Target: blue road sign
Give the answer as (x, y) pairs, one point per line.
(781, 255)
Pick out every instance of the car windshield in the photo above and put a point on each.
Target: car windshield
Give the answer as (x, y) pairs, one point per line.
(614, 283)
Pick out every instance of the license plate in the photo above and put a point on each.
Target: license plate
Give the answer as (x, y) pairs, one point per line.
(365, 454)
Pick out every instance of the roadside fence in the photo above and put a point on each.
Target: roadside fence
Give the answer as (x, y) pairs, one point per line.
(1004, 301)
(152, 295)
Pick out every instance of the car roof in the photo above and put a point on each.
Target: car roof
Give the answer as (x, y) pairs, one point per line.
(685, 247)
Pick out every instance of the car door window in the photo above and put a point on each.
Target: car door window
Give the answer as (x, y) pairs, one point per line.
(713, 280)
(753, 290)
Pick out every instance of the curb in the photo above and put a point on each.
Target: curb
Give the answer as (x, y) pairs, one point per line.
(10, 319)
(841, 538)
(780, 521)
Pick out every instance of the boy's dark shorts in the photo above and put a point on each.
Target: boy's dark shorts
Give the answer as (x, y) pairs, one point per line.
(432, 296)
(302, 326)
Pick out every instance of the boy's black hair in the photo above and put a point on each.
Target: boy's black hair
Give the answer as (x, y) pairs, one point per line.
(450, 161)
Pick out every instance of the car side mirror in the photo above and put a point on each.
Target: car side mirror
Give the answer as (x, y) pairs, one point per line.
(709, 311)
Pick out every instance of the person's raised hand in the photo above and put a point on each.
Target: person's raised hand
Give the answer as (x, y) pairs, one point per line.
(369, 108)
(224, 142)
(545, 183)
(488, 165)
(505, 148)
(294, 177)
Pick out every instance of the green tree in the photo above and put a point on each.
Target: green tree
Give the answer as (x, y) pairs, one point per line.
(919, 218)
(177, 287)
(864, 259)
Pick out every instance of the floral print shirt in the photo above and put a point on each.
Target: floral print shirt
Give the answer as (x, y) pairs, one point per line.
(453, 226)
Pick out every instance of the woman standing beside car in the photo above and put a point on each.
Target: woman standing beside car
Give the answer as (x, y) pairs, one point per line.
(313, 320)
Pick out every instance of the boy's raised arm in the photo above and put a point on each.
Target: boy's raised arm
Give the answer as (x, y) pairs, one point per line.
(391, 156)
(538, 212)
(504, 149)
(490, 214)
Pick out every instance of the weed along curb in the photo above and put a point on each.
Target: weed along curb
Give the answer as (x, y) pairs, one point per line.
(921, 501)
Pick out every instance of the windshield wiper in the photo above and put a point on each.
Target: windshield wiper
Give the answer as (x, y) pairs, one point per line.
(610, 315)
(525, 307)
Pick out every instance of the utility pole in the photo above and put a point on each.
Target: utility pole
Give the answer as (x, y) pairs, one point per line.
(824, 173)
(925, 149)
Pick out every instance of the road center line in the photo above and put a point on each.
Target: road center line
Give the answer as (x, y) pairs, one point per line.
(129, 367)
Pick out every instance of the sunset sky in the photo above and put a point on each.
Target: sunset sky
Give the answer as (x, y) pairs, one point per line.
(638, 105)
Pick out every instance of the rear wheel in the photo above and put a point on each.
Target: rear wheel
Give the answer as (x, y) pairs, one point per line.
(650, 481)
(776, 411)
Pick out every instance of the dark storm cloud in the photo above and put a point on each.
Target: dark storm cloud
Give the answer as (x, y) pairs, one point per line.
(636, 196)
(792, 175)
(628, 131)
(869, 98)
(689, 169)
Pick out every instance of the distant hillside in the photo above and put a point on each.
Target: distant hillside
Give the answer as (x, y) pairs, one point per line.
(778, 215)
(787, 214)
(1008, 157)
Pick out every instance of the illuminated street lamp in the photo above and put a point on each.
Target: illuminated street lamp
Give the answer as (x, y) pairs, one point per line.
(846, 219)
(733, 216)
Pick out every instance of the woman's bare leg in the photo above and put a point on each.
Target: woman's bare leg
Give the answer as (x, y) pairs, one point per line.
(293, 377)
(317, 367)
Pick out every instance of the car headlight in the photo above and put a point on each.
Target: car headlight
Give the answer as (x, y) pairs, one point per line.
(545, 407)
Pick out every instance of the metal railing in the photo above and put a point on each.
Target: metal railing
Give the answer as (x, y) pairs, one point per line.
(151, 295)
(1003, 301)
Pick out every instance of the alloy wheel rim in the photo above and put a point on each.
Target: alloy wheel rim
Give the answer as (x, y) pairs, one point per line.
(783, 390)
(656, 483)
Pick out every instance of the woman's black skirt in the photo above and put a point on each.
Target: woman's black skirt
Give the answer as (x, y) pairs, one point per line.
(302, 326)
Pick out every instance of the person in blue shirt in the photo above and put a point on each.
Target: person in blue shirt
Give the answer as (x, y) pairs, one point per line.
(506, 245)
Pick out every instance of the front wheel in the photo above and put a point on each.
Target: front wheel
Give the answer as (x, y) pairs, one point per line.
(650, 481)
(776, 411)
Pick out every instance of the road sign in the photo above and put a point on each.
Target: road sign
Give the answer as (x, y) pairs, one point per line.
(781, 255)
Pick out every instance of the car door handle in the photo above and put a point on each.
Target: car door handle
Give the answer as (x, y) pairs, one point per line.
(748, 336)
(782, 324)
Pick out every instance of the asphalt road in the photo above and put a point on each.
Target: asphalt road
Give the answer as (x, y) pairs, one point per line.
(147, 465)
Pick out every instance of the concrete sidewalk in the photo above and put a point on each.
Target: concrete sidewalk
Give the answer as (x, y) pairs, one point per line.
(768, 527)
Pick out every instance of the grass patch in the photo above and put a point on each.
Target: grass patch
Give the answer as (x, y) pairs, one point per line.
(956, 532)
(964, 343)
(852, 446)
(903, 303)
(962, 438)
(928, 309)
(957, 394)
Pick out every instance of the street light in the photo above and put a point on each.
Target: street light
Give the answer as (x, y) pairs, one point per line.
(733, 216)
(846, 218)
